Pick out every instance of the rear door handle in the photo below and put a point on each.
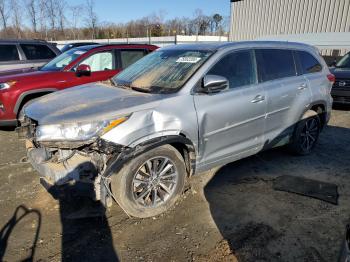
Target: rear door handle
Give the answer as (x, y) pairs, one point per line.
(302, 86)
(258, 98)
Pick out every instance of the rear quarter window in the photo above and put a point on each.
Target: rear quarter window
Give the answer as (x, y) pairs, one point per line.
(37, 52)
(274, 64)
(8, 53)
(308, 63)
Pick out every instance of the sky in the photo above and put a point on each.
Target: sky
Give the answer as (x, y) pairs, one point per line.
(125, 10)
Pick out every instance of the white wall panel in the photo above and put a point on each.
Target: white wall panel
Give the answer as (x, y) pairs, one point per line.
(252, 19)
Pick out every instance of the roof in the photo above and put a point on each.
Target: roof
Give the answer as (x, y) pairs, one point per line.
(335, 40)
(223, 45)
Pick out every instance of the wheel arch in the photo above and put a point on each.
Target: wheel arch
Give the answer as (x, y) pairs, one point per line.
(29, 95)
(180, 142)
(320, 108)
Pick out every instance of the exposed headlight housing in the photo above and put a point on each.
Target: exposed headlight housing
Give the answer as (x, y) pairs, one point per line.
(76, 131)
(7, 85)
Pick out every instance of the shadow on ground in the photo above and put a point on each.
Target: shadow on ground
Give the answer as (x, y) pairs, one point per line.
(86, 234)
(85, 239)
(19, 215)
(256, 221)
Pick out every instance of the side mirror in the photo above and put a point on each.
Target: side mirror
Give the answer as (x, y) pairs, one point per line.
(214, 84)
(83, 70)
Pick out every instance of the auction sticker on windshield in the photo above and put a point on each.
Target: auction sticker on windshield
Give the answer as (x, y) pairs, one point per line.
(188, 59)
(79, 52)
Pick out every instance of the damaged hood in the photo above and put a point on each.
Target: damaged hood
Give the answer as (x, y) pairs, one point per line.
(89, 102)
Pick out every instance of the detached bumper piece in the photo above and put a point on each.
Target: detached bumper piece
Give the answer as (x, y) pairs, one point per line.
(307, 187)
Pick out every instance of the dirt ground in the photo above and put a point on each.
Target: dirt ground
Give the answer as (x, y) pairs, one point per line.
(229, 214)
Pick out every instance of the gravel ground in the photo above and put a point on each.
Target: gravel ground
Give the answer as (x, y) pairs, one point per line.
(228, 214)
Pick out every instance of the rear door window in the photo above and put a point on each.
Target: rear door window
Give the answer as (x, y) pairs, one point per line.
(128, 57)
(237, 67)
(275, 64)
(308, 63)
(8, 53)
(37, 52)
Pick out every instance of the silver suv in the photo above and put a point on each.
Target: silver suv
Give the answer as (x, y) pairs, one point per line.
(178, 111)
(24, 54)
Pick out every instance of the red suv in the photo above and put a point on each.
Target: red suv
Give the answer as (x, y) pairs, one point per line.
(77, 66)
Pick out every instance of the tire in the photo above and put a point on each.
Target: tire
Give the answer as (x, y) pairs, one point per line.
(131, 185)
(306, 134)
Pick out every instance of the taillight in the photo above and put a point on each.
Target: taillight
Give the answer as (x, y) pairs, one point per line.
(331, 78)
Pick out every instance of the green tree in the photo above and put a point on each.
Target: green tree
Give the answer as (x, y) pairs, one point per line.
(217, 20)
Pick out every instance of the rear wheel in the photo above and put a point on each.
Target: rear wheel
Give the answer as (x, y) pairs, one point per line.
(306, 133)
(150, 184)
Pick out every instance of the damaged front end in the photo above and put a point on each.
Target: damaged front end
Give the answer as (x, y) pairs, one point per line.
(62, 163)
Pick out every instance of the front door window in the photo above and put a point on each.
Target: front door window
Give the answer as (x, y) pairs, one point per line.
(100, 62)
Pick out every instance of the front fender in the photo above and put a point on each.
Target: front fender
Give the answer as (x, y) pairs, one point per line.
(117, 161)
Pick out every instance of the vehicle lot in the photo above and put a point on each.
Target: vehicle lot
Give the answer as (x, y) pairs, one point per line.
(227, 213)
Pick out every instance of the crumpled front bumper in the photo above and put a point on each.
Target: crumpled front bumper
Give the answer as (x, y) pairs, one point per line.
(74, 167)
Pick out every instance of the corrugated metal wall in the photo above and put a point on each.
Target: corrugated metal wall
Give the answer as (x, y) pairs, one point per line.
(251, 19)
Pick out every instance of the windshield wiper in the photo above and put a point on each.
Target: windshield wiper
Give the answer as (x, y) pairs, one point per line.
(140, 89)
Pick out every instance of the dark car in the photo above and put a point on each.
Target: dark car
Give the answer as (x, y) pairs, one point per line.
(25, 54)
(341, 88)
(73, 45)
(77, 66)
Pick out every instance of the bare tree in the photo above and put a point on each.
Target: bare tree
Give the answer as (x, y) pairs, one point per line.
(74, 21)
(60, 9)
(43, 18)
(33, 13)
(50, 8)
(201, 21)
(16, 17)
(4, 14)
(91, 18)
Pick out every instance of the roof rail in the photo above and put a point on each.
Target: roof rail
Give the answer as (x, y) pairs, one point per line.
(22, 40)
(131, 44)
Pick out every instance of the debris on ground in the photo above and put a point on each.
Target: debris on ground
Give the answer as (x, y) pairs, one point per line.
(307, 187)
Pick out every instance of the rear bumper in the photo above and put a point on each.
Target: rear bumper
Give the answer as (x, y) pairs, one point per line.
(12, 122)
(341, 96)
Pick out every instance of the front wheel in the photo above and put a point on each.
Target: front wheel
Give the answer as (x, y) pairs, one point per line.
(151, 183)
(306, 133)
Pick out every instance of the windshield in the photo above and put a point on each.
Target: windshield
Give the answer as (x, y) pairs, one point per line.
(63, 60)
(163, 71)
(344, 62)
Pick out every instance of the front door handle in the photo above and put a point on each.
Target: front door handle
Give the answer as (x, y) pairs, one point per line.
(302, 86)
(258, 98)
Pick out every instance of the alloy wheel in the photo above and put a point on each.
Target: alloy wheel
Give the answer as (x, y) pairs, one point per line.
(309, 134)
(154, 182)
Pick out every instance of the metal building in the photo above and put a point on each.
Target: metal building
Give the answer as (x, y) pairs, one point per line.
(254, 19)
